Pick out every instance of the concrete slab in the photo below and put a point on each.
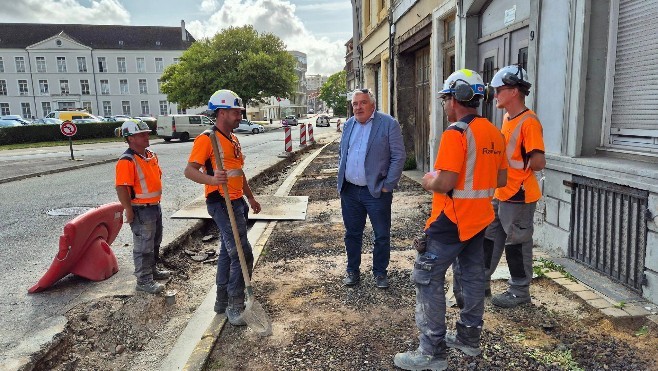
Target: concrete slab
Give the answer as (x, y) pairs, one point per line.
(588, 295)
(273, 208)
(576, 287)
(600, 303)
(614, 312)
(635, 310)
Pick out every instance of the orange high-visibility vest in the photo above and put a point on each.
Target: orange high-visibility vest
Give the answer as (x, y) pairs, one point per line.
(142, 174)
(523, 135)
(476, 151)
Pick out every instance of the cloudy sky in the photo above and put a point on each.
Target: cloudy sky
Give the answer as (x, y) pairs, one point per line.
(318, 28)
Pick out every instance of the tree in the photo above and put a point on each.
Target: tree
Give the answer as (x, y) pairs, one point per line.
(252, 65)
(333, 92)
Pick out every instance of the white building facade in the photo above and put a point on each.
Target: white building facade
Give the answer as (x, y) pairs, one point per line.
(107, 70)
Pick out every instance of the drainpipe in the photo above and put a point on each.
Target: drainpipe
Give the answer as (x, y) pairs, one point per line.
(391, 63)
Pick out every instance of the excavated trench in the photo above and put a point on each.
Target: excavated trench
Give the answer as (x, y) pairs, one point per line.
(136, 331)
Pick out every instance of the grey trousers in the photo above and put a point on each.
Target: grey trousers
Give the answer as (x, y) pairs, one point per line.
(429, 276)
(511, 231)
(147, 236)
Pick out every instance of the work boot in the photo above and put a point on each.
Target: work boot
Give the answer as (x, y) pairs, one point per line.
(417, 360)
(161, 274)
(509, 300)
(466, 339)
(381, 281)
(221, 302)
(151, 287)
(234, 311)
(351, 279)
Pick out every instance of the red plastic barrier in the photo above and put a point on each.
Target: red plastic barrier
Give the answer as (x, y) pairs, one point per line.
(84, 248)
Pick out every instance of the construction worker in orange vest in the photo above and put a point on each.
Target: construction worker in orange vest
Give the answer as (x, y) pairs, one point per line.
(470, 165)
(139, 188)
(227, 108)
(515, 203)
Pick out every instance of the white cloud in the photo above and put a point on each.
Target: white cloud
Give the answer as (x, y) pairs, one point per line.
(64, 11)
(328, 6)
(278, 17)
(208, 5)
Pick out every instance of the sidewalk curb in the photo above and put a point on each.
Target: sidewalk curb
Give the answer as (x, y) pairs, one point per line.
(205, 326)
(54, 171)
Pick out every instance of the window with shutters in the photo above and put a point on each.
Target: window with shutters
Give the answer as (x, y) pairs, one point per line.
(631, 119)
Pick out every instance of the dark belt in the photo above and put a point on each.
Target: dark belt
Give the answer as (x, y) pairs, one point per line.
(146, 205)
(355, 185)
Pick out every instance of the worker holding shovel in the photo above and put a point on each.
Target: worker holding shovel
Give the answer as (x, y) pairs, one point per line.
(220, 176)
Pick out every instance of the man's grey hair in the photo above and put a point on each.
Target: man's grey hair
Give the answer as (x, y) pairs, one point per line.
(365, 91)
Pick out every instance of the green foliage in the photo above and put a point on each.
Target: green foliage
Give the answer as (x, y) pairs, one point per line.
(252, 65)
(561, 358)
(621, 304)
(642, 331)
(47, 133)
(543, 265)
(333, 91)
(410, 162)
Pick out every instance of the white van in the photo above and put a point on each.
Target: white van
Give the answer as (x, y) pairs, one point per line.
(182, 127)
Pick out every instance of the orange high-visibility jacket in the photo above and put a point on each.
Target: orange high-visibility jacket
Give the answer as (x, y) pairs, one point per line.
(202, 154)
(142, 174)
(476, 150)
(523, 136)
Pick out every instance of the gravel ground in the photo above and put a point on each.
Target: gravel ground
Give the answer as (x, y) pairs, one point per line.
(320, 324)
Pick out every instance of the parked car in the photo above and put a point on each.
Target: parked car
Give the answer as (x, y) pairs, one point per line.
(182, 127)
(85, 121)
(250, 127)
(9, 123)
(16, 118)
(322, 120)
(289, 120)
(146, 119)
(119, 118)
(47, 121)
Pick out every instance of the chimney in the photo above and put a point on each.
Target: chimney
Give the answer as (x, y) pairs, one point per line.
(182, 29)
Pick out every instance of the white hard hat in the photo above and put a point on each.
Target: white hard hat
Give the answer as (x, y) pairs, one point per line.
(463, 84)
(132, 127)
(224, 99)
(513, 75)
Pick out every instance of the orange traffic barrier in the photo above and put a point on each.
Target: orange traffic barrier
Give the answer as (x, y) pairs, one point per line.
(84, 247)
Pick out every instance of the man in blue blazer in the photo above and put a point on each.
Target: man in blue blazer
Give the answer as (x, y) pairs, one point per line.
(370, 163)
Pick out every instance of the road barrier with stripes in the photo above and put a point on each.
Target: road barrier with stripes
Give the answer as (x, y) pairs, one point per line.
(288, 141)
(310, 133)
(302, 134)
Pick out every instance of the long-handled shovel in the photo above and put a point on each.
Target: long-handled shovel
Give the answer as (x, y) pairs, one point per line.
(254, 314)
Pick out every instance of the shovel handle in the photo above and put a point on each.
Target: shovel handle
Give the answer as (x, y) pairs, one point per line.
(219, 156)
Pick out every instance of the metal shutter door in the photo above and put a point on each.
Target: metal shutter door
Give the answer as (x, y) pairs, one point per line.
(634, 120)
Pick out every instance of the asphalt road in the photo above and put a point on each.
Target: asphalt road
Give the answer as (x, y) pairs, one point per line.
(29, 236)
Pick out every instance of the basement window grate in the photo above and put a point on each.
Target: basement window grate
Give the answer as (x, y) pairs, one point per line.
(609, 229)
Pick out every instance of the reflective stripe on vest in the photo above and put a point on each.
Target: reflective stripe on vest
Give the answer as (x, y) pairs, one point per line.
(514, 140)
(471, 156)
(142, 179)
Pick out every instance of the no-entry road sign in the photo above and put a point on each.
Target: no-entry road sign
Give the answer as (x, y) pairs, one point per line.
(68, 128)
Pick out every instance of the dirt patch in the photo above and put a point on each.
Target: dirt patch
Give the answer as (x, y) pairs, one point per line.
(137, 331)
(320, 324)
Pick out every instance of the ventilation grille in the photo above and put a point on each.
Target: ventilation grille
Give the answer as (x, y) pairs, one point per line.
(609, 229)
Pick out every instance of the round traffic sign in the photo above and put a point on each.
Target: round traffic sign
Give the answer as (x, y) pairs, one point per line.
(68, 128)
